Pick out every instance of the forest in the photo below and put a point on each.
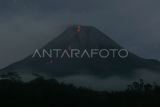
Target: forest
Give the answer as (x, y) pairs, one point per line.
(42, 92)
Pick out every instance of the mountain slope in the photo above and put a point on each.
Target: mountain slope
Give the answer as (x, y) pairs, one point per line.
(87, 38)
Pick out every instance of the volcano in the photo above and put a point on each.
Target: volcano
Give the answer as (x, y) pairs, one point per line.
(81, 37)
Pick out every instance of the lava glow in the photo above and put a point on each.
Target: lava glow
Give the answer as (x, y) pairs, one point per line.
(78, 28)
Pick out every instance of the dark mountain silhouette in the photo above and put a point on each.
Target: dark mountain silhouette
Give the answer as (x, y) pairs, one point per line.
(87, 38)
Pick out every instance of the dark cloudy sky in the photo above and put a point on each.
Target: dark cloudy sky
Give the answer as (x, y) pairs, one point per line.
(29, 24)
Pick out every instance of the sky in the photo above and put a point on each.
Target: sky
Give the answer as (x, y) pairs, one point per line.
(26, 25)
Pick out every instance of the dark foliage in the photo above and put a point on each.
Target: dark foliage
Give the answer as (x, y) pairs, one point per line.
(50, 93)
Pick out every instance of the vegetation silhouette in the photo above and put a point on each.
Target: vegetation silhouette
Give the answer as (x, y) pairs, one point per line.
(50, 93)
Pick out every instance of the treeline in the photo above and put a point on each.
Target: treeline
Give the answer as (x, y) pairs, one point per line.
(50, 93)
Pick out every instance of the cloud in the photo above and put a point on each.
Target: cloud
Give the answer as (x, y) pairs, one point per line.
(110, 83)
